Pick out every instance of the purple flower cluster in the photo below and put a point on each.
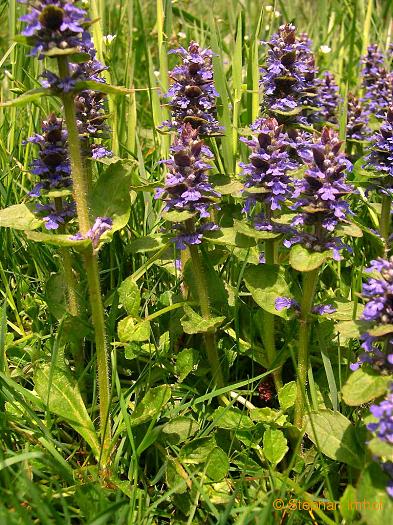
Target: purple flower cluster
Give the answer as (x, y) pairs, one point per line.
(289, 75)
(383, 428)
(328, 99)
(192, 94)
(267, 181)
(53, 24)
(380, 158)
(52, 166)
(100, 226)
(377, 82)
(357, 120)
(90, 105)
(319, 196)
(378, 349)
(187, 187)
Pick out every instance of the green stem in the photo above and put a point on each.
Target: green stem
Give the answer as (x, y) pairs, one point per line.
(269, 321)
(385, 219)
(81, 195)
(309, 286)
(72, 298)
(209, 337)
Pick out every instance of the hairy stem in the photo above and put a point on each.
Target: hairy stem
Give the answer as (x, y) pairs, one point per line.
(209, 337)
(81, 195)
(309, 286)
(385, 219)
(269, 321)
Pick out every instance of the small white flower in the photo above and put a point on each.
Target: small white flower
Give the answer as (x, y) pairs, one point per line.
(108, 39)
(156, 74)
(267, 27)
(325, 49)
(181, 34)
(277, 14)
(268, 8)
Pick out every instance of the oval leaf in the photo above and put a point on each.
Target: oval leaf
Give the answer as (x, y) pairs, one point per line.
(304, 260)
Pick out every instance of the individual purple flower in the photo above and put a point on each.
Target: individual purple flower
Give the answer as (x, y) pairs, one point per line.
(319, 196)
(357, 120)
(187, 186)
(192, 95)
(286, 303)
(380, 158)
(100, 226)
(267, 181)
(378, 311)
(377, 83)
(53, 24)
(289, 73)
(328, 99)
(321, 309)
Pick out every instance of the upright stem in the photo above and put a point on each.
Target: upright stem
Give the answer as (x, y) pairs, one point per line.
(309, 286)
(81, 195)
(209, 337)
(269, 321)
(385, 219)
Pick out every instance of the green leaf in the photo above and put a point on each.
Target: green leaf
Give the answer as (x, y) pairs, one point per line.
(58, 240)
(26, 98)
(150, 243)
(229, 237)
(110, 196)
(350, 330)
(380, 448)
(363, 386)
(372, 488)
(129, 329)
(151, 405)
(193, 323)
(247, 230)
(275, 445)
(345, 311)
(20, 217)
(130, 296)
(102, 88)
(346, 501)
(267, 282)
(350, 229)
(217, 464)
(73, 53)
(268, 415)
(287, 395)
(381, 330)
(179, 429)
(178, 216)
(225, 184)
(186, 361)
(55, 295)
(304, 260)
(198, 450)
(60, 391)
(334, 436)
(231, 419)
